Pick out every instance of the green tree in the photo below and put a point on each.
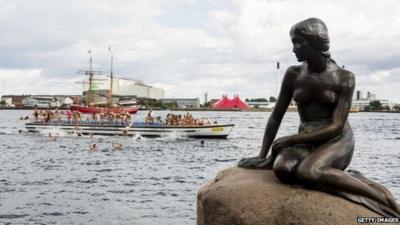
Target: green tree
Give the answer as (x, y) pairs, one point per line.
(261, 100)
(272, 99)
(2, 103)
(375, 105)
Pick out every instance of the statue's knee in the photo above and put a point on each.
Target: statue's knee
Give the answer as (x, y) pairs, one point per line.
(308, 173)
(284, 172)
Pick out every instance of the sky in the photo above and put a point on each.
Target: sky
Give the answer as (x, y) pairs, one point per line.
(189, 47)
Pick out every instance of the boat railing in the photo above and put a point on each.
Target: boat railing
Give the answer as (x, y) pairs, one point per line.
(156, 124)
(87, 122)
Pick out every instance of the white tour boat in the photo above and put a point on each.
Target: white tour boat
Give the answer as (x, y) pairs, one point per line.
(140, 129)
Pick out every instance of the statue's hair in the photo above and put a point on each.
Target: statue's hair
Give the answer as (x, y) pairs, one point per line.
(315, 32)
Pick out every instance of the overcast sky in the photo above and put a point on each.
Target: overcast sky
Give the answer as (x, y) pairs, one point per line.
(190, 47)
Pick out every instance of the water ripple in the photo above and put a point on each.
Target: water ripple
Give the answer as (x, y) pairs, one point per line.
(154, 181)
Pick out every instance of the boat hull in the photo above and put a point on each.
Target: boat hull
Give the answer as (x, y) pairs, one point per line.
(206, 131)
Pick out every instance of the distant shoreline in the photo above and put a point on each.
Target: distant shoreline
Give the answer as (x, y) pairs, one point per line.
(200, 110)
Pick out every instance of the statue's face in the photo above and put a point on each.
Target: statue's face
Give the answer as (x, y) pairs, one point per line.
(301, 48)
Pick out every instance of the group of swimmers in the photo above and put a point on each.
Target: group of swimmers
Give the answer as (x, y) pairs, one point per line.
(115, 145)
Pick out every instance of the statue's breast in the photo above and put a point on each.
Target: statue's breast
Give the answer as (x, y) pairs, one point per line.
(322, 90)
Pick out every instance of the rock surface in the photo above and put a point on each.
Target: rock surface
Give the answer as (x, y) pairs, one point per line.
(250, 197)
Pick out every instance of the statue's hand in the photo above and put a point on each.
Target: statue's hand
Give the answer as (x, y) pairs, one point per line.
(256, 163)
(281, 143)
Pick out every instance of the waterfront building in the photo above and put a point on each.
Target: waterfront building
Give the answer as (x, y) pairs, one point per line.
(183, 103)
(122, 87)
(258, 104)
(41, 101)
(362, 104)
(358, 95)
(14, 100)
(291, 107)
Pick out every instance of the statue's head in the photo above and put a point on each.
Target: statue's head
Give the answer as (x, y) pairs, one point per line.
(310, 36)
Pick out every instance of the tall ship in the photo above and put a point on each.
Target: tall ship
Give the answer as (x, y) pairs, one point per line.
(90, 81)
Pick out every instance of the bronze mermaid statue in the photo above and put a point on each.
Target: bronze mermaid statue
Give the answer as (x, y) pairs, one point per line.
(322, 149)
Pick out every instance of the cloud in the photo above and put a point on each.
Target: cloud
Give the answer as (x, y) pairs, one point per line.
(30, 81)
(215, 46)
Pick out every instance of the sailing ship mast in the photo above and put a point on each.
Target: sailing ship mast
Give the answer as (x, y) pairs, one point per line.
(110, 95)
(90, 73)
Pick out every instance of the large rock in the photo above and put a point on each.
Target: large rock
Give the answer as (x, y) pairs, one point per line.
(250, 197)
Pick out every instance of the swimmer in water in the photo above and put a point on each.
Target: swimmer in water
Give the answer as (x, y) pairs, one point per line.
(93, 146)
(90, 134)
(125, 131)
(52, 138)
(117, 146)
(77, 132)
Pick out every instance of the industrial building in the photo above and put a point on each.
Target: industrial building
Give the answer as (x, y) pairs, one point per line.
(122, 88)
(361, 102)
(183, 103)
(41, 101)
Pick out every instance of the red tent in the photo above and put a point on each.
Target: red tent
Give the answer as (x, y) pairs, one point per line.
(238, 103)
(223, 103)
(226, 103)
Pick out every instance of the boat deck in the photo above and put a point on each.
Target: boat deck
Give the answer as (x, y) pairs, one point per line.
(136, 128)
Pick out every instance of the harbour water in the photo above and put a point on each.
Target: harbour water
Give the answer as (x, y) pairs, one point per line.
(151, 181)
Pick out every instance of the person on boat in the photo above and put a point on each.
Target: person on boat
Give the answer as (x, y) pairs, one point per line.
(117, 117)
(76, 117)
(158, 120)
(35, 113)
(174, 120)
(94, 117)
(102, 116)
(180, 120)
(205, 121)
(128, 118)
(324, 146)
(47, 116)
(149, 118)
(56, 115)
(68, 115)
(124, 118)
(192, 121)
(168, 119)
(113, 117)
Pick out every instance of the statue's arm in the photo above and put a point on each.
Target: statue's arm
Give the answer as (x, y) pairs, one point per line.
(339, 119)
(282, 103)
